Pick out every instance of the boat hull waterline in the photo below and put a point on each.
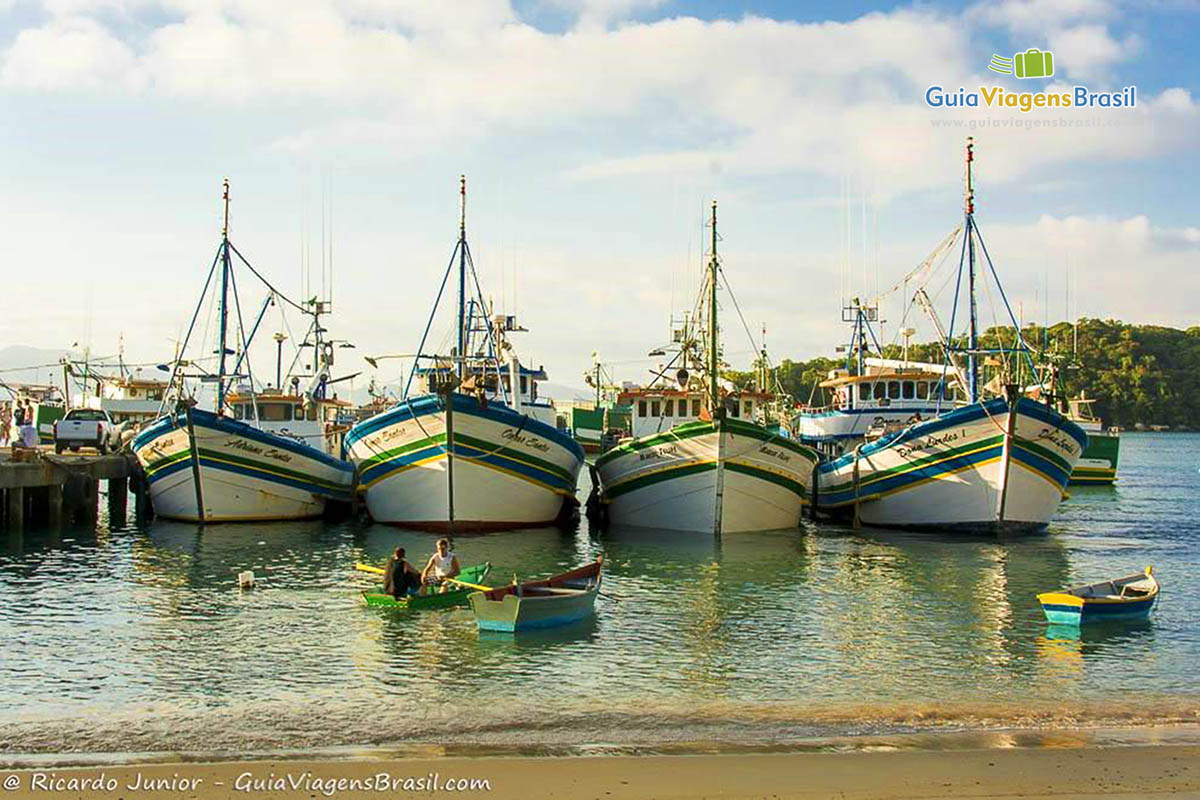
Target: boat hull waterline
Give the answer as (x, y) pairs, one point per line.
(510, 471)
(246, 474)
(669, 480)
(960, 471)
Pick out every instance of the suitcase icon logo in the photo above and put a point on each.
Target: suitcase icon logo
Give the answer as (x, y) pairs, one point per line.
(1033, 63)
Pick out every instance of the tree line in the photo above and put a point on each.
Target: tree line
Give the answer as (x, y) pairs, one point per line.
(1147, 374)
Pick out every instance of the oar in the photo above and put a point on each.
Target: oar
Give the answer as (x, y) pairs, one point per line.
(469, 585)
(368, 568)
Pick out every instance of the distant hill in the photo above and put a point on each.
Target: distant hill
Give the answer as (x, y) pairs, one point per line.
(23, 364)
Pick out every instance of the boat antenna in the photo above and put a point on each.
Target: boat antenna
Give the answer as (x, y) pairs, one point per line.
(713, 358)
(462, 278)
(969, 210)
(223, 306)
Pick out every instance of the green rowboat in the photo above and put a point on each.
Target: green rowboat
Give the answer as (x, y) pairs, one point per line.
(433, 599)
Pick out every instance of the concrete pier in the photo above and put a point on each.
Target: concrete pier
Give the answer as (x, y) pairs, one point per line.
(56, 489)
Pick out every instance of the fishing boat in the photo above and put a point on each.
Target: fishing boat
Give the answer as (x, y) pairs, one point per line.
(208, 466)
(698, 459)
(455, 595)
(985, 464)
(549, 603)
(473, 447)
(1130, 598)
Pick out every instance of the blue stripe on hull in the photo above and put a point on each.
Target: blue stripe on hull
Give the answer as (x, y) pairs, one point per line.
(903, 481)
(1097, 612)
(224, 466)
(1055, 473)
(495, 411)
(437, 452)
(209, 420)
(548, 622)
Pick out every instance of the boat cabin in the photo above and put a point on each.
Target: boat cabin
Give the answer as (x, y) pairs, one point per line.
(318, 422)
(526, 399)
(659, 408)
(130, 399)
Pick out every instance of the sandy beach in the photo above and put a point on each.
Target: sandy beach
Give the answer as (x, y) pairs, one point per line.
(1134, 771)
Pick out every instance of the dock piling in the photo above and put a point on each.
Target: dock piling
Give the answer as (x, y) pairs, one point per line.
(16, 508)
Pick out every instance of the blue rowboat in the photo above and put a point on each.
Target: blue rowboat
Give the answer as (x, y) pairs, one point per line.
(558, 600)
(1129, 598)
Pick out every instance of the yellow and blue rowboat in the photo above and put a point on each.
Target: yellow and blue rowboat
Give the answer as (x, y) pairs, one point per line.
(1129, 598)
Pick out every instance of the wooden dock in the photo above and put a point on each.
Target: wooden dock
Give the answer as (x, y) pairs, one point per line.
(52, 490)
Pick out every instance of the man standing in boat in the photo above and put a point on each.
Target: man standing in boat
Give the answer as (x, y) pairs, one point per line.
(442, 564)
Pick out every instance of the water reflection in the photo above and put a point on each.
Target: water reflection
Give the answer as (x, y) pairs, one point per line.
(779, 628)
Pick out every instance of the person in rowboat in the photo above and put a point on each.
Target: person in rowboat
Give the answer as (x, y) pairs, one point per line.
(442, 564)
(399, 576)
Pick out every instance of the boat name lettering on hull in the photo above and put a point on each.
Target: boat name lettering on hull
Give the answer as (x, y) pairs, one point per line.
(1060, 440)
(532, 442)
(929, 443)
(269, 452)
(776, 454)
(397, 432)
(666, 451)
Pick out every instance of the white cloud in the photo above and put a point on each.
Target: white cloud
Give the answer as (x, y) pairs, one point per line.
(1090, 50)
(1121, 265)
(72, 53)
(1031, 17)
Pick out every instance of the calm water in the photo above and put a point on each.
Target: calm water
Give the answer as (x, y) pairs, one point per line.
(135, 640)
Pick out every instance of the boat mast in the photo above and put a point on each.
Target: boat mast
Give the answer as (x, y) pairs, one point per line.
(223, 310)
(713, 358)
(973, 340)
(462, 279)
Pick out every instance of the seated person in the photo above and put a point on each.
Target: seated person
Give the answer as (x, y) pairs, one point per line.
(442, 564)
(400, 577)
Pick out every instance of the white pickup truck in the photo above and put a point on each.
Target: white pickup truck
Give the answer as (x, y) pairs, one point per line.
(85, 427)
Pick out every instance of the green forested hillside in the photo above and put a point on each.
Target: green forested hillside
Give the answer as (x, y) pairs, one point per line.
(1137, 373)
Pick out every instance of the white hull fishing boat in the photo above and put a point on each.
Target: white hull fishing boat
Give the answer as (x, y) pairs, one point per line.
(463, 453)
(990, 465)
(987, 466)
(714, 469)
(207, 467)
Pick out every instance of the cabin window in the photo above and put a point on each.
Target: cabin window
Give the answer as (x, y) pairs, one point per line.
(864, 391)
(922, 390)
(275, 412)
(669, 411)
(641, 408)
(331, 413)
(906, 389)
(734, 408)
(239, 411)
(655, 408)
(696, 407)
(894, 390)
(524, 385)
(749, 410)
(154, 394)
(133, 392)
(880, 390)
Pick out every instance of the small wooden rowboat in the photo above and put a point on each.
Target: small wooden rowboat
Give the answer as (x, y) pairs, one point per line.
(559, 600)
(432, 598)
(1131, 597)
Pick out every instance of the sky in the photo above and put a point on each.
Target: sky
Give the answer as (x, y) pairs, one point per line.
(593, 134)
